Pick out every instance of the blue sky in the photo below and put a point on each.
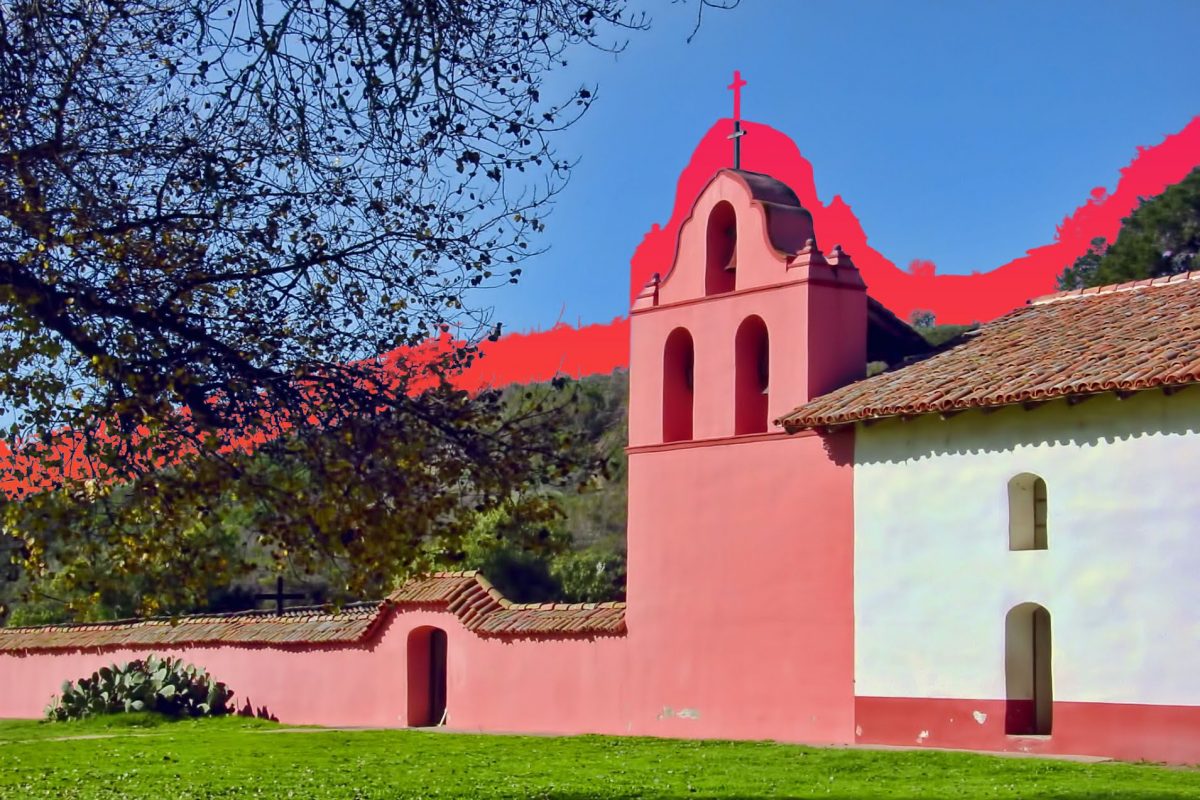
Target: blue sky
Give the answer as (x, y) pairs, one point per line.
(962, 133)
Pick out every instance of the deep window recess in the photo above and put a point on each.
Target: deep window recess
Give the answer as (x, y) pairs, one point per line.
(1027, 513)
(679, 363)
(752, 376)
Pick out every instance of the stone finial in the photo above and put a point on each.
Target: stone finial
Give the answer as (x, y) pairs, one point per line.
(808, 256)
(840, 258)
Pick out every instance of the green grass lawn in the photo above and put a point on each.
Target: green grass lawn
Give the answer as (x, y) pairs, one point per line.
(234, 757)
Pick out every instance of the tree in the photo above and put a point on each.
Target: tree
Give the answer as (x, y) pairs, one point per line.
(349, 508)
(921, 318)
(558, 535)
(222, 221)
(1161, 237)
(233, 208)
(558, 544)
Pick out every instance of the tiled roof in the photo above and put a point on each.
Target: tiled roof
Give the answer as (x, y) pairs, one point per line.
(1120, 338)
(482, 608)
(295, 626)
(467, 595)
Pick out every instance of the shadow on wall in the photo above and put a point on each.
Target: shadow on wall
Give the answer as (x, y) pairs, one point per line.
(1103, 419)
(838, 445)
(248, 710)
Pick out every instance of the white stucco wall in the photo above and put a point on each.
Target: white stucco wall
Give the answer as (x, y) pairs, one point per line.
(1121, 579)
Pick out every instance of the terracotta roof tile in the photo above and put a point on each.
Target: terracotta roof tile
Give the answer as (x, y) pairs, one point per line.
(482, 609)
(1125, 337)
(296, 625)
(468, 595)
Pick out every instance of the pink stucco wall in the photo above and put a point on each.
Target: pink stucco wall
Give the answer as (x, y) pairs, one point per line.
(354, 684)
(740, 601)
(556, 685)
(733, 629)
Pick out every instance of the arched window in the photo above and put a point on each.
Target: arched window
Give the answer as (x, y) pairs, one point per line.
(752, 374)
(1028, 677)
(720, 274)
(426, 677)
(679, 362)
(1027, 513)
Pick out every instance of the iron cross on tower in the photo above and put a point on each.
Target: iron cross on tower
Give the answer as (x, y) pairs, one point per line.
(738, 133)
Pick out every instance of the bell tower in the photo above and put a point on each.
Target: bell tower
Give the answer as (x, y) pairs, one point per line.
(741, 536)
(750, 321)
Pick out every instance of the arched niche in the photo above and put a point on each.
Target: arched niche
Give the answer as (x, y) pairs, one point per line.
(679, 363)
(752, 375)
(1027, 505)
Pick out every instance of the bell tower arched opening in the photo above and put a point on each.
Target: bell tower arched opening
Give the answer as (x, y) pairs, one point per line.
(679, 364)
(752, 372)
(720, 273)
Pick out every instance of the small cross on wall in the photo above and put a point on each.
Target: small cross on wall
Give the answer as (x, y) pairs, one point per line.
(279, 596)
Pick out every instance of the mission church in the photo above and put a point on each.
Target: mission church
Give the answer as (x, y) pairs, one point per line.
(988, 545)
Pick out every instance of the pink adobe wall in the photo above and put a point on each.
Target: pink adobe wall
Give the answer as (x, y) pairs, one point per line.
(349, 685)
(741, 590)
(836, 338)
(545, 685)
(713, 325)
(567, 685)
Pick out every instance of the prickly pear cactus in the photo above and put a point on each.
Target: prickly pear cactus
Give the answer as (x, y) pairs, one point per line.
(163, 685)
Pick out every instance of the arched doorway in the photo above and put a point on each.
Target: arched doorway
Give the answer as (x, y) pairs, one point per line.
(426, 677)
(1028, 678)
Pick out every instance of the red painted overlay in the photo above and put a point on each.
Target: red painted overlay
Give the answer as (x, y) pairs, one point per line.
(1117, 730)
(600, 348)
(539, 356)
(521, 358)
